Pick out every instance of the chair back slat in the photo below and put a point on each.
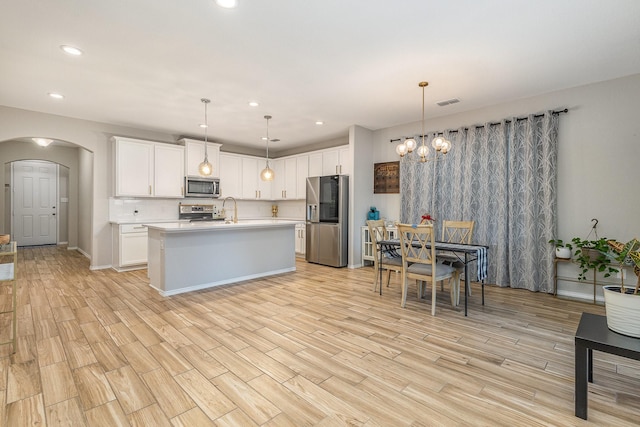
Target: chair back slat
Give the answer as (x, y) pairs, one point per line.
(457, 231)
(377, 231)
(414, 240)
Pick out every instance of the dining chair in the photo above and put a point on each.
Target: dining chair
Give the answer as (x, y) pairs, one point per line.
(455, 232)
(391, 260)
(419, 261)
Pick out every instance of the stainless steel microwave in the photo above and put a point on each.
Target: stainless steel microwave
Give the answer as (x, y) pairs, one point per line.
(197, 186)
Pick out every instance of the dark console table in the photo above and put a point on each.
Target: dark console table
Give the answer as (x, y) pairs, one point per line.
(593, 334)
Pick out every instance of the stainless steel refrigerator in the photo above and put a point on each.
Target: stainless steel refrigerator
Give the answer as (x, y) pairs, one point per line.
(327, 220)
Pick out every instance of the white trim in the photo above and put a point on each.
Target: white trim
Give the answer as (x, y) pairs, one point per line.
(222, 282)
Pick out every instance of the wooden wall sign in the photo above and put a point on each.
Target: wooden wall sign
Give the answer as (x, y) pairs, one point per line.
(386, 177)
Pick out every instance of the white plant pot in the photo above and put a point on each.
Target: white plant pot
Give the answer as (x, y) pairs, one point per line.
(564, 253)
(623, 311)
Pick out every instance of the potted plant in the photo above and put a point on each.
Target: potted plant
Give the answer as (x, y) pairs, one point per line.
(592, 254)
(563, 250)
(622, 304)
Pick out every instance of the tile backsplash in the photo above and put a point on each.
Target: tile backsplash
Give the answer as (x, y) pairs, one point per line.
(121, 209)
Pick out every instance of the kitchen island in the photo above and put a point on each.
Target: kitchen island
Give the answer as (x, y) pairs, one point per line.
(188, 256)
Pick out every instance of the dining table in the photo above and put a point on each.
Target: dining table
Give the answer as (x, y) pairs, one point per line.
(466, 254)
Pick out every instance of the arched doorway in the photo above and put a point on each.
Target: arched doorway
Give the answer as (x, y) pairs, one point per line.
(38, 202)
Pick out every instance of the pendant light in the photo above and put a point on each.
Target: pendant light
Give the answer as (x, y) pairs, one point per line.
(267, 173)
(205, 168)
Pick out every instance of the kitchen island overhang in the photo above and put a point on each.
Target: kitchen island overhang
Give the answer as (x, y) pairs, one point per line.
(185, 257)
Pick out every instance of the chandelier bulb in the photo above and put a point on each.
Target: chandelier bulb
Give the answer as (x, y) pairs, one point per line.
(411, 144)
(401, 149)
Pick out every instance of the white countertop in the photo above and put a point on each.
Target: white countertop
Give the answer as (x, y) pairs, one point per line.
(167, 220)
(185, 226)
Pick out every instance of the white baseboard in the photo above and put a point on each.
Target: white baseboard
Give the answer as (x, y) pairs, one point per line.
(222, 282)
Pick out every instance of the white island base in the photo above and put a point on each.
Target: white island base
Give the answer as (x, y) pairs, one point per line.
(185, 257)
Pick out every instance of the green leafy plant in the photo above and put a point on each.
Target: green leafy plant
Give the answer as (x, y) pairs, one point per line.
(558, 243)
(593, 254)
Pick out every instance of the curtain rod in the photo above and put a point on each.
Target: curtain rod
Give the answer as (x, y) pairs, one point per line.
(557, 113)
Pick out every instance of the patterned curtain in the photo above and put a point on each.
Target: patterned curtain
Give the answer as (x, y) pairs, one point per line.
(503, 176)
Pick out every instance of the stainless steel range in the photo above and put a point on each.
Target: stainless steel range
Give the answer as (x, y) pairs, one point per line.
(198, 212)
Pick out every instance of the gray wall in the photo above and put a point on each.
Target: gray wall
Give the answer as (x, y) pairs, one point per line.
(94, 168)
(11, 151)
(598, 157)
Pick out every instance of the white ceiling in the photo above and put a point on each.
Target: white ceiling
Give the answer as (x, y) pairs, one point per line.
(147, 63)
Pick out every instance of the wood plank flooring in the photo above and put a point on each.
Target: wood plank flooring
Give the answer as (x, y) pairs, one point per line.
(313, 347)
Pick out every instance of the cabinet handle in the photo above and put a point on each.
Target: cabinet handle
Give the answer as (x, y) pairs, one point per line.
(182, 190)
(149, 190)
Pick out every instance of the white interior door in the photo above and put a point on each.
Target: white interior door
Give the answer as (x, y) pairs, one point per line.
(34, 202)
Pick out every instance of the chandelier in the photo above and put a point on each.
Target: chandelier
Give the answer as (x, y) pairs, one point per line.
(440, 144)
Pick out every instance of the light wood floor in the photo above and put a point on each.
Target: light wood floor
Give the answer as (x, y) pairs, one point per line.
(314, 347)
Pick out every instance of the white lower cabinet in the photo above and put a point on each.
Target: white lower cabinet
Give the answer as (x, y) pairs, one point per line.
(300, 239)
(129, 246)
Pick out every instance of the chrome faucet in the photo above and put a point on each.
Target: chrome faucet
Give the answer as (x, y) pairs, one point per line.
(235, 208)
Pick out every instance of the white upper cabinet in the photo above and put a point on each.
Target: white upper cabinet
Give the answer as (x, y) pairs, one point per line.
(252, 186)
(133, 168)
(230, 175)
(148, 169)
(291, 177)
(315, 164)
(344, 161)
(336, 161)
(279, 184)
(302, 172)
(194, 155)
(169, 170)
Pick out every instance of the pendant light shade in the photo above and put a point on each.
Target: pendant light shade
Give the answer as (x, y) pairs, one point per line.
(205, 168)
(267, 173)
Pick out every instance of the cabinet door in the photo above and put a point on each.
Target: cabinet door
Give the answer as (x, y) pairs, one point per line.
(134, 168)
(330, 162)
(302, 172)
(344, 161)
(168, 171)
(133, 248)
(194, 155)
(249, 178)
(315, 164)
(300, 239)
(230, 176)
(279, 182)
(264, 187)
(291, 183)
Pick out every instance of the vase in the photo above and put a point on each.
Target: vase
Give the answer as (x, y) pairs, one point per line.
(564, 253)
(622, 310)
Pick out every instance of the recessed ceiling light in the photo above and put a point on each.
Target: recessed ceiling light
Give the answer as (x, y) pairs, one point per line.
(319, 122)
(43, 142)
(227, 4)
(253, 104)
(74, 51)
(56, 95)
(202, 125)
